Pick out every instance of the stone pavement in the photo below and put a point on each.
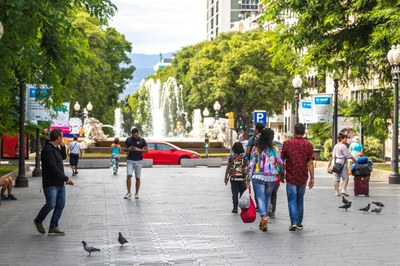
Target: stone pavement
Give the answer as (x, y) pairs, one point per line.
(183, 217)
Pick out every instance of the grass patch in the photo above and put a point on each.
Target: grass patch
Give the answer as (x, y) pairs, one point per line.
(383, 168)
(203, 155)
(107, 155)
(99, 154)
(5, 169)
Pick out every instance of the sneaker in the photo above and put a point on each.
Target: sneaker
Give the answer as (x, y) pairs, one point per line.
(73, 174)
(56, 231)
(293, 227)
(11, 197)
(271, 215)
(337, 194)
(344, 193)
(128, 196)
(4, 197)
(136, 195)
(39, 227)
(299, 227)
(235, 210)
(76, 172)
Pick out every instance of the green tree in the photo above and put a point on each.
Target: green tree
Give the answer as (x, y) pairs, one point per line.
(103, 72)
(39, 46)
(374, 112)
(236, 69)
(353, 36)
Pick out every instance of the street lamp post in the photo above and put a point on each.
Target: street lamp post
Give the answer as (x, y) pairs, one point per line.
(86, 111)
(37, 171)
(297, 82)
(217, 107)
(206, 113)
(21, 180)
(394, 60)
(336, 78)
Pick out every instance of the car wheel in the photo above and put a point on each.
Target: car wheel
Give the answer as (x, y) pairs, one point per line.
(183, 157)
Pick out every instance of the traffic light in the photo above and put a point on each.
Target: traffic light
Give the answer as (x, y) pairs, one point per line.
(231, 120)
(206, 142)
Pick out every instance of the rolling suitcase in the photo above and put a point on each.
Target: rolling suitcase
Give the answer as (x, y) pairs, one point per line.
(361, 185)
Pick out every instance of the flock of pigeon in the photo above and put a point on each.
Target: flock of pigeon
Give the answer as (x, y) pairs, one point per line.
(122, 240)
(377, 209)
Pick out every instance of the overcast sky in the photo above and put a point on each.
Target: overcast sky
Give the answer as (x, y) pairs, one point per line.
(154, 26)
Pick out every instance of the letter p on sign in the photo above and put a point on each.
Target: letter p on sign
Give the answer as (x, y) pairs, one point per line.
(260, 117)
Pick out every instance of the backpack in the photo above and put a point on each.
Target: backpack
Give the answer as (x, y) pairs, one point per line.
(238, 165)
(254, 140)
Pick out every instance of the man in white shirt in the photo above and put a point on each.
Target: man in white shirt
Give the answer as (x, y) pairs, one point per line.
(74, 152)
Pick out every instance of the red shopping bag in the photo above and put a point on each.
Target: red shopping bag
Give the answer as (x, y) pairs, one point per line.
(249, 215)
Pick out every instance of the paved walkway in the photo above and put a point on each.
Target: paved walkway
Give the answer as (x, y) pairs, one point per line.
(183, 217)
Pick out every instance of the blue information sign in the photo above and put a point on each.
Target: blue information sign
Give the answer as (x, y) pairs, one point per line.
(260, 116)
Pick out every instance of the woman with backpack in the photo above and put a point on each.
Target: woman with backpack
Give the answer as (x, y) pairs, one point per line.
(265, 166)
(236, 171)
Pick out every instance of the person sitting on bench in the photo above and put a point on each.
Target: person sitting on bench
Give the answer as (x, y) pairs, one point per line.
(6, 183)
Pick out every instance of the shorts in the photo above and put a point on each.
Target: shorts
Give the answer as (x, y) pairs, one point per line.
(73, 159)
(344, 174)
(133, 165)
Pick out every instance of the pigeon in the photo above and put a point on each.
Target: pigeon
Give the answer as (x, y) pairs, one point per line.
(122, 239)
(88, 248)
(346, 206)
(379, 204)
(377, 210)
(366, 208)
(344, 200)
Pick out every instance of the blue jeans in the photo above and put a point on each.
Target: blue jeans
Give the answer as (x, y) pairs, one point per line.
(263, 191)
(55, 199)
(295, 197)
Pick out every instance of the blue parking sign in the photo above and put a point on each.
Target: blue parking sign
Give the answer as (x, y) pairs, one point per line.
(260, 117)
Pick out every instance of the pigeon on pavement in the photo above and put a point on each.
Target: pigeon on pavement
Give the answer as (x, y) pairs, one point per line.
(366, 208)
(344, 200)
(377, 210)
(122, 239)
(89, 248)
(346, 206)
(379, 204)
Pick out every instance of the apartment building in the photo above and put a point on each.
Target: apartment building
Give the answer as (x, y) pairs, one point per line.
(222, 14)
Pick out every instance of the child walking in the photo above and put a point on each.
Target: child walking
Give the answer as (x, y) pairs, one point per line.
(236, 171)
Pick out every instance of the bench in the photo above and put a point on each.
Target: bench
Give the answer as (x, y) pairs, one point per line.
(106, 163)
(209, 162)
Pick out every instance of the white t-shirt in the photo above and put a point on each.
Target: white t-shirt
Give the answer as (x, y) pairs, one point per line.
(74, 147)
(341, 152)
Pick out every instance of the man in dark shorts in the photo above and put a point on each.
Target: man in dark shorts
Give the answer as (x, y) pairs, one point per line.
(135, 146)
(74, 152)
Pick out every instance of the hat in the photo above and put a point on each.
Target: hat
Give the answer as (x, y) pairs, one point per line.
(357, 139)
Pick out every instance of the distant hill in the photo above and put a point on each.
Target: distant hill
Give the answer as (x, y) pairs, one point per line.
(144, 64)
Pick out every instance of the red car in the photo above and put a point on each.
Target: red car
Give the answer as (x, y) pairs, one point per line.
(166, 153)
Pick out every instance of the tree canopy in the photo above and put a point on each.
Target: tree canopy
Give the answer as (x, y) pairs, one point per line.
(237, 70)
(351, 36)
(65, 45)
